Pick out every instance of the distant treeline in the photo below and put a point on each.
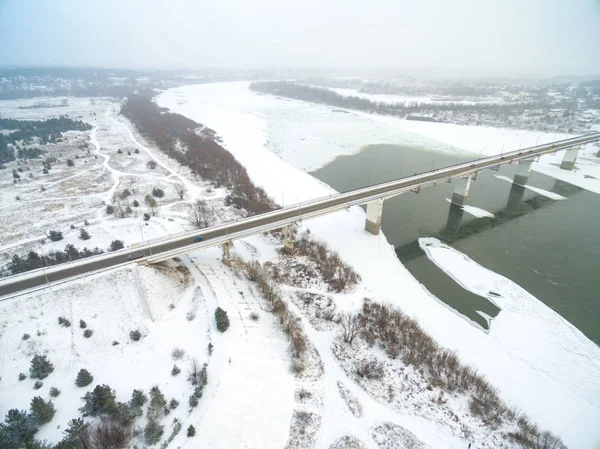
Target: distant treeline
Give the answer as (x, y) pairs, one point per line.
(330, 97)
(35, 260)
(193, 145)
(25, 130)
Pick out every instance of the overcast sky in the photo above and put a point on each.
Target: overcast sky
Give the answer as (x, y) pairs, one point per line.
(484, 36)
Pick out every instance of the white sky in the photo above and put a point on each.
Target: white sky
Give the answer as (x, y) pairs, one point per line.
(484, 36)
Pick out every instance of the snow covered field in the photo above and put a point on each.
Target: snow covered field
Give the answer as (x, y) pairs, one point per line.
(277, 139)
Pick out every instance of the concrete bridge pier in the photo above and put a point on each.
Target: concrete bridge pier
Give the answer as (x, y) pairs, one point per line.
(226, 256)
(461, 190)
(568, 162)
(522, 174)
(374, 213)
(288, 238)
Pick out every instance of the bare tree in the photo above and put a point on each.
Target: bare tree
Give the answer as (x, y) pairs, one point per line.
(151, 202)
(121, 206)
(199, 216)
(350, 327)
(180, 189)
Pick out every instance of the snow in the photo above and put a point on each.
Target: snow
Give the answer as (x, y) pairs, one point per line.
(252, 127)
(546, 193)
(409, 99)
(477, 212)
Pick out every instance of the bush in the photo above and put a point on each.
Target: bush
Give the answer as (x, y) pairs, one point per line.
(40, 367)
(84, 378)
(76, 430)
(175, 371)
(54, 392)
(151, 165)
(191, 431)
(25, 337)
(22, 376)
(84, 235)
(158, 193)
(110, 432)
(63, 321)
(177, 353)
(88, 333)
(173, 404)
(138, 398)
(41, 410)
(135, 335)
(38, 384)
(82, 324)
(70, 163)
(146, 217)
(153, 432)
(222, 319)
(369, 369)
(55, 236)
(254, 316)
(110, 209)
(116, 245)
(135, 203)
(100, 401)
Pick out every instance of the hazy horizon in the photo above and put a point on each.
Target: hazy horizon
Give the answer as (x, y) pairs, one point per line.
(501, 38)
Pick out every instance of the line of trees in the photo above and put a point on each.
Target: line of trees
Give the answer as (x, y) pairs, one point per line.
(34, 260)
(203, 154)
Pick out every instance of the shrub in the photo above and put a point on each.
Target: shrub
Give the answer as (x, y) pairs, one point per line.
(45, 171)
(153, 432)
(110, 209)
(116, 245)
(119, 151)
(76, 430)
(158, 193)
(40, 367)
(82, 324)
(110, 432)
(138, 398)
(175, 371)
(38, 384)
(222, 319)
(254, 316)
(193, 400)
(86, 223)
(173, 404)
(84, 235)
(25, 337)
(99, 401)
(41, 410)
(125, 193)
(70, 163)
(191, 431)
(54, 392)
(146, 217)
(137, 151)
(135, 335)
(177, 353)
(151, 165)
(22, 376)
(63, 321)
(55, 236)
(84, 378)
(370, 369)
(135, 203)
(88, 333)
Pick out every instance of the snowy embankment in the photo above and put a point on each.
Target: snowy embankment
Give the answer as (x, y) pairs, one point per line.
(513, 355)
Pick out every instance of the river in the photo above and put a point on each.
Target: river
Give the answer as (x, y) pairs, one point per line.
(547, 246)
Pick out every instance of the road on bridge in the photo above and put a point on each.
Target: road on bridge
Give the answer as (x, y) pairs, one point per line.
(169, 247)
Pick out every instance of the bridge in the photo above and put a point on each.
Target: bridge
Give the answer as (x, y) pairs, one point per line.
(284, 218)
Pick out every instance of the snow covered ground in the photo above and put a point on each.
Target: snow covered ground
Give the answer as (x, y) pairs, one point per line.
(275, 139)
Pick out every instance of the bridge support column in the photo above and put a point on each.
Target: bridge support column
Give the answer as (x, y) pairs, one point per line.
(522, 174)
(374, 213)
(288, 239)
(568, 162)
(226, 256)
(461, 190)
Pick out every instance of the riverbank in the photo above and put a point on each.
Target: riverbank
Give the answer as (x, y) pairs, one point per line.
(565, 400)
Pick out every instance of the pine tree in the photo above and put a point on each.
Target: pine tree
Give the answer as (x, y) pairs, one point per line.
(157, 401)
(84, 378)
(41, 410)
(222, 319)
(40, 367)
(138, 398)
(18, 427)
(191, 431)
(84, 235)
(153, 431)
(99, 401)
